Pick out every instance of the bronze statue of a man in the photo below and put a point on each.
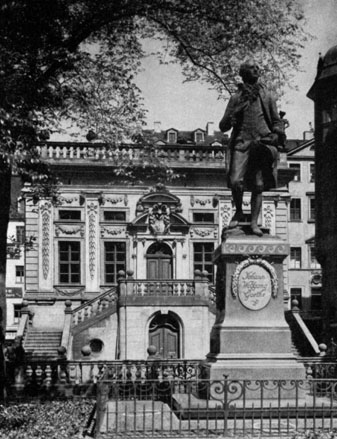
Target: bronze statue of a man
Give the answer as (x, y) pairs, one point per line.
(252, 114)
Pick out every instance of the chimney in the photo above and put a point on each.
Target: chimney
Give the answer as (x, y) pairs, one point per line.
(157, 127)
(308, 135)
(210, 128)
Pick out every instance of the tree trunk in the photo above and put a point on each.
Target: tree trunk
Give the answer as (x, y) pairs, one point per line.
(5, 202)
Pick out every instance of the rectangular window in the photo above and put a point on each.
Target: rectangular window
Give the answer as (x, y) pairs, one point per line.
(312, 172)
(19, 274)
(17, 307)
(295, 257)
(114, 260)
(70, 215)
(312, 257)
(20, 234)
(69, 262)
(316, 299)
(297, 168)
(199, 137)
(203, 217)
(172, 137)
(114, 215)
(295, 209)
(203, 253)
(312, 210)
(296, 294)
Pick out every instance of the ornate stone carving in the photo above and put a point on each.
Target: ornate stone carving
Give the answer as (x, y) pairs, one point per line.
(159, 219)
(92, 210)
(255, 249)
(67, 200)
(69, 230)
(116, 200)
(203, 201)
(202, 232)
(254, 280)
(45, 210)
(226, 214)
(268, 214)
(112, 231)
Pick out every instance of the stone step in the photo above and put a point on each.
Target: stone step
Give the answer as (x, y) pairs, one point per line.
(42, 344)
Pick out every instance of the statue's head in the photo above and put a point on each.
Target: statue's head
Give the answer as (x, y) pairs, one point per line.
(249, 71)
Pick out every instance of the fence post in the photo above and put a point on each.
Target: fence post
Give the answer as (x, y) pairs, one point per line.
(225, 403)
(101, 408)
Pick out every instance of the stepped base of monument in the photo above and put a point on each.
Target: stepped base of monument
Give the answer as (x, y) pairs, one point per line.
(188, 406)
(272, 376)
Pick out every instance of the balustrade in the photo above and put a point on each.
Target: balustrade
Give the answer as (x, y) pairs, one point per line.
(94, 307)
(67, 378)
(176, 153)
(160, 288)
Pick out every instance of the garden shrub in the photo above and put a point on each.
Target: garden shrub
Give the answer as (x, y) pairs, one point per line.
(45, 420)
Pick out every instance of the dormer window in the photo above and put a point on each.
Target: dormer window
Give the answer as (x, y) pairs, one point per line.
(199, 136)
(172, 136)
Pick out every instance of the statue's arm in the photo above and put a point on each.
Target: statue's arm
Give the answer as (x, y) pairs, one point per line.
(275, 118)
(226, 123)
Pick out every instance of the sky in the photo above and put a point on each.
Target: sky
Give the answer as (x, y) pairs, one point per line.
(188, 106)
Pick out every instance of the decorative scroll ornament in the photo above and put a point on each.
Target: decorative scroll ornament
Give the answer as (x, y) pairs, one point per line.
(159, 219)
(202, 201)
(46, 218)
(92, 209)
(66, 200)
(202, 232)
(59, 230)
(112, 231)
(254, 281)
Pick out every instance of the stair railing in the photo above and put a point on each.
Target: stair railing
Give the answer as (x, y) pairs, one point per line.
(302, 328)
(74, 317)
(94, 306)
(25, 319)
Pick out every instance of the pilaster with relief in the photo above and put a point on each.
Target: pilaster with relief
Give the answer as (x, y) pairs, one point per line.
(92, 253)
(45, 249)
(269, 216)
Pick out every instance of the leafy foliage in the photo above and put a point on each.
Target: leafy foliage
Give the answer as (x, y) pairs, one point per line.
(52, 420)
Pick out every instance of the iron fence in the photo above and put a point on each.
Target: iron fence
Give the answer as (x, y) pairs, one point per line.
(207, 408)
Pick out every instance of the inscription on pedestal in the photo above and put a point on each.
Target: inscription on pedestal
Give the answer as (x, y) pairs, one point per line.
(254, 283)
(254, 287)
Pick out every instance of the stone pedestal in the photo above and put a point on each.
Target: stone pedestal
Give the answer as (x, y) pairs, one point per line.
(251, 339)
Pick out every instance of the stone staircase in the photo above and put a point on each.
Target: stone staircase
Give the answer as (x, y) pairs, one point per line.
(42, 344)
(302, 340)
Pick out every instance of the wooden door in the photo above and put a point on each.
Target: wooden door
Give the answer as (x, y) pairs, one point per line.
(159, 262)
(164, 335)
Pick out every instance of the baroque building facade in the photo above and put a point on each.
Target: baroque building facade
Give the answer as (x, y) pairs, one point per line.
(119, 271)
(304, 275)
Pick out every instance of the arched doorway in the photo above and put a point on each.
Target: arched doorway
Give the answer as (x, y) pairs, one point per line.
(159, 261)
(164, 334)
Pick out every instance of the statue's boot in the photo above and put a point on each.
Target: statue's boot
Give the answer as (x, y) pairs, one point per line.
(237, 218)
(256, 229)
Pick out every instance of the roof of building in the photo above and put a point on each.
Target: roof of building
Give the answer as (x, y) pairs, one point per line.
(188, 137)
